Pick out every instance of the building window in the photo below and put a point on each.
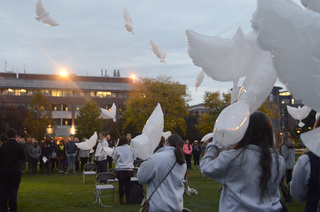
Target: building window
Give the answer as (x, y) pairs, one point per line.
(56, 107)
(103, 94)
(92, 94)
(292, 101)
(30, 92)
(78, 107)
(67, 107)
(10, 91)
(78, 93)
(56, 93)
(57, 122)
(20, 92)
(67, 93)
(46, 92)
(66, 122)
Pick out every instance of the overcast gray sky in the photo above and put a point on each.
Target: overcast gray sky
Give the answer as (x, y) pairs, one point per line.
(91, 36)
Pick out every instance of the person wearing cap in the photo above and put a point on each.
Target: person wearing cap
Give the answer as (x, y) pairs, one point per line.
(34, 153)
(11, 153)
(250, 170)
(305, 184)
(196, 152)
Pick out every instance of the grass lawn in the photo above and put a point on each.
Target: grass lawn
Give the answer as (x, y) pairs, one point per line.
(65, 192)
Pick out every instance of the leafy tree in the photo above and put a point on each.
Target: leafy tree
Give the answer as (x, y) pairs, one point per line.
(192, 132)
(271, 109)
(88, 120)
(215, 102)
(144, 97)
(11, 117)
(39, 116)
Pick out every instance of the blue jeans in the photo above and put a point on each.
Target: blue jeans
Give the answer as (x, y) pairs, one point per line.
(71, 159)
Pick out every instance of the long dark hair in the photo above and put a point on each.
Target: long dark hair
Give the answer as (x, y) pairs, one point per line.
(260, 133)
(176, 141)
(123, 140)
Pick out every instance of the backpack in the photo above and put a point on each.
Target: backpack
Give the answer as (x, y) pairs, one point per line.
(136, 193)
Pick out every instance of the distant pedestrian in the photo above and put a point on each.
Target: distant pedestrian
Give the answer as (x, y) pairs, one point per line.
(71, 152)
(187, 149)
(84, 156)
(11, 153)
(196, 152)
(111, 145)
(35, 153)
(101, 154)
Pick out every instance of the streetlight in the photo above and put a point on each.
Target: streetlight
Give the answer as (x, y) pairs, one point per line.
(133, 77)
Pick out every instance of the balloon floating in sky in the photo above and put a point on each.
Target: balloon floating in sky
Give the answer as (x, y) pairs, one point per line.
(105, 114)
(313, 5)
(88, 144)
(127, 21)
(231, 124)
(207, 137)
(199, 80)
(291, 34)
(161, 54)
(44, 16)
(311, 140)
(299, 113)
(142, 146)
(226, 59)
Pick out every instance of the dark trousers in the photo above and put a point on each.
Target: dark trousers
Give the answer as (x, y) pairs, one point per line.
(34, 164)
(54, 164)
(9, 185)
(46, 167)
(196, 159)
(288, 176)
(83, 161)
(102, 166)
(109, 161)
(124, 183)
(188, 160)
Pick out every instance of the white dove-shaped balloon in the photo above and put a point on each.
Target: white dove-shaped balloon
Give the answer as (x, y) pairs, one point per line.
(207, 137)
(127, 21)
(199, 80)
(166, 134)
(105, 114)
(313, 5)
(299, 113)
(44, 16)
(142, 146)
(296, 58)
(89, 143)
(109, 151)
(311, 140)
(161, 54)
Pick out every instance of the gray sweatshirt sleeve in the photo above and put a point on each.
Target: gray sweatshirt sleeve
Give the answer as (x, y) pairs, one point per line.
(146, 171)
(300, 179)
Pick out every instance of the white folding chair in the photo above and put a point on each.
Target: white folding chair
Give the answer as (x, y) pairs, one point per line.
(134, 178)
(103, 186)
(89, 169)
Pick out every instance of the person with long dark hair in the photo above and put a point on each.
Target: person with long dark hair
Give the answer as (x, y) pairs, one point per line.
(287, 150)
(169, 195)
(187, 150)
(305, 184)
(250, 170)
(123, 158)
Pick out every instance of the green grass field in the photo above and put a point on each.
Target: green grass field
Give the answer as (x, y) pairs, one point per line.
(65, 192)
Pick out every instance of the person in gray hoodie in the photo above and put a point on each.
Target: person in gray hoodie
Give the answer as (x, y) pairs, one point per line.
(34, 153)
(123, 158)
(250, 170)
(169, 195)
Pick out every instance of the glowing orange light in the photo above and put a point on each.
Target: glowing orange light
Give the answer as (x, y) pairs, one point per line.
(64, 73)
(133, 76)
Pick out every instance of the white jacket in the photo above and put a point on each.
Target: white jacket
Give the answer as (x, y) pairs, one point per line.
(240, 179)
(101, 154)
(169, 196)
(123, 157)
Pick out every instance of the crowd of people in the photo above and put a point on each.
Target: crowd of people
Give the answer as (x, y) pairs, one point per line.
(252, 171)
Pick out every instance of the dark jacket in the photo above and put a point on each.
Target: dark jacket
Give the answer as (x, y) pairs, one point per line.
(11, 153)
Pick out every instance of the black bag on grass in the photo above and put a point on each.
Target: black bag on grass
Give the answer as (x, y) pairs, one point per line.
(136, 193)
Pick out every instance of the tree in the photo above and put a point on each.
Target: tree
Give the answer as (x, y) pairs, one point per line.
(88, 120)
(271, 109)
(39, 116)
(215, 102)
(11, 117)
(144, 97)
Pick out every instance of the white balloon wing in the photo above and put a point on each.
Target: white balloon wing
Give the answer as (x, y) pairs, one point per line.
(207, 137)
(161, 54)
(127, 20)
(296, 58)
(89, 143)
(43, 15)
(109, 151)
(299, 113)
(311, 140)
(106, 114)
(313, 5)
(143, 145)
(232, 124)
(113, 111)
(199, 80)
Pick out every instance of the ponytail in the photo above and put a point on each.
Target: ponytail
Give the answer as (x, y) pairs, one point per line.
(176, 141)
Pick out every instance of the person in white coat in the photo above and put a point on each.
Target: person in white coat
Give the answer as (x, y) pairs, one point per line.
(250, 170)
(169, 195)
(305, 184)
(101, 154)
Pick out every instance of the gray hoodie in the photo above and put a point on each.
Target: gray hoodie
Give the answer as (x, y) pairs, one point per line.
(123, 158)
(169, 196)
(240, 178)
